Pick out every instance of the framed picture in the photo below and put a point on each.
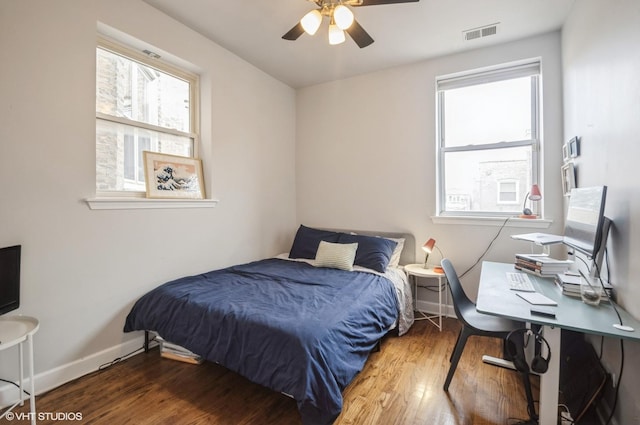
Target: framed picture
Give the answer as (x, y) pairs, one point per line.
(574, 147)
(565, 152)
(172, 176)
(568, 178)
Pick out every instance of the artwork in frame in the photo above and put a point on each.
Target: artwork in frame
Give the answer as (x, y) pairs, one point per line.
(574, 147)
(565, 153)
(173, 176)
(568, 178)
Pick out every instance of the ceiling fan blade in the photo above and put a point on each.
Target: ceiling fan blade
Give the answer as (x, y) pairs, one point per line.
(294, 32)
(377, 2)
(359, 35)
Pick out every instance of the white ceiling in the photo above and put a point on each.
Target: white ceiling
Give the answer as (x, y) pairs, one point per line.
(403, 33)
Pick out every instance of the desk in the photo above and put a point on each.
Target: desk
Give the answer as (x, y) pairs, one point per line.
(495, 298)
(18, 330)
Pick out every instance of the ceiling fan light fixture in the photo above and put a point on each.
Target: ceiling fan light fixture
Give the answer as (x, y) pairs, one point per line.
(311, 22)
(336, 35)
(343, 16)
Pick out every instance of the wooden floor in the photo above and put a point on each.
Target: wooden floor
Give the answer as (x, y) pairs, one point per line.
(401, 384)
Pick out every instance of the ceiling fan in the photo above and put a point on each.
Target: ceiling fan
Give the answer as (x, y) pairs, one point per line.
(340, 20)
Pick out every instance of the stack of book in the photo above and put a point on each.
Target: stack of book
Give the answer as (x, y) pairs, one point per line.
(173, 351)
(541, 265)
(570, 285)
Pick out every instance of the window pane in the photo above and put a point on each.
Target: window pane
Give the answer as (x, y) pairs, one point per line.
(129, 89)
(507, 192)
(491, 180)
(488, 113)
(119, 152)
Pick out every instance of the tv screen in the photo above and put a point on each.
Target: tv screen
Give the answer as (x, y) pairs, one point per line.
(9, 278)
(585, 219)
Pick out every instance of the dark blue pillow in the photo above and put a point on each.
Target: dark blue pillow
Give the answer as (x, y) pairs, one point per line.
(305, 244)
(373, 253)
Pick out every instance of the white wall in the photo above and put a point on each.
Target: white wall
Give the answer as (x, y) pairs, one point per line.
(366, 152)
(83, 269)
(602, 106)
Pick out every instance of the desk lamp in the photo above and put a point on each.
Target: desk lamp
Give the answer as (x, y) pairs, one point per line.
(428, 248)
(533, 195)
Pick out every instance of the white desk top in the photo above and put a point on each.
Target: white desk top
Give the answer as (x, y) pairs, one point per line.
(15, 329)
(495, 298)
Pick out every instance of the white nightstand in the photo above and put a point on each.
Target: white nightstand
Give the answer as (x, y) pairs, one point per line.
(417, 271)
(18, 330)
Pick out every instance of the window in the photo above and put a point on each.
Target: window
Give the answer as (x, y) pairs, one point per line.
(488, 140)
(141, 104)
(508, 192)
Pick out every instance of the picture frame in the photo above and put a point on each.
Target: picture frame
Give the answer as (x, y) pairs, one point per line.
(568, 178)
(172, 176)
(565, 153)
(574, 147)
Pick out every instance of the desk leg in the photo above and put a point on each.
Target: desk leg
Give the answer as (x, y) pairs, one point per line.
(550, 381)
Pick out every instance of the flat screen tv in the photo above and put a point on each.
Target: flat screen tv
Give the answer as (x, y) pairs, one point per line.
(9, 278)
(585, 219)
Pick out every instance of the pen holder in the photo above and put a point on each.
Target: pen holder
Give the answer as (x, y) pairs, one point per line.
(590, 293)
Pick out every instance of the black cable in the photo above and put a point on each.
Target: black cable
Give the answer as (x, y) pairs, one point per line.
(613, 304)
(434, 288)
(15, 384)
(615, 398)
(121, 358)
(616, 395)
(486, 250)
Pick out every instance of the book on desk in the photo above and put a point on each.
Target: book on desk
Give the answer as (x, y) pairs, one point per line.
(570, 285)
(541, 265)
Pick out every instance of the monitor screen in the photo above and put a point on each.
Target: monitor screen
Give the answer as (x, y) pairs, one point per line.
(585, 217)
(9, 278)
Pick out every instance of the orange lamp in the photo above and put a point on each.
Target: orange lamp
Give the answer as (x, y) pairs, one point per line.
(428, 249)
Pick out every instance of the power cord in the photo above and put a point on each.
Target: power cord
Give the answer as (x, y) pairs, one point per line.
(565, 417)
(15, 384)
(486, 250)
(121, 358)
(617, 392)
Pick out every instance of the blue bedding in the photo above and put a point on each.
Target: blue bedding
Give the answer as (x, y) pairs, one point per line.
(289, 326)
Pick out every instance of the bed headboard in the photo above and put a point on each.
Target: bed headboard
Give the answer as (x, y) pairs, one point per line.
(408, 255)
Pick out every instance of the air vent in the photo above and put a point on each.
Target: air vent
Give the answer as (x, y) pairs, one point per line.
(481, 32)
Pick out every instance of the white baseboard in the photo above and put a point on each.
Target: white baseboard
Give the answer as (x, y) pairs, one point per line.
(50, 379)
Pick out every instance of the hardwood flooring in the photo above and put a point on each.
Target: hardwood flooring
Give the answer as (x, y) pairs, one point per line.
(401, 384)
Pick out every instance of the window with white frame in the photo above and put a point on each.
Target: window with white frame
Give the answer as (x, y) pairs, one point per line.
(142, 104)
(488, 139)
(507, 192)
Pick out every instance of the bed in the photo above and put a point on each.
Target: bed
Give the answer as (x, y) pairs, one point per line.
(302, 323)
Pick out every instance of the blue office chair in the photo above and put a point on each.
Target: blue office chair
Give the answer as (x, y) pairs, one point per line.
(473, 323)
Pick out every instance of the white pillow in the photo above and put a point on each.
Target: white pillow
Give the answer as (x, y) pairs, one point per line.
(336, 255)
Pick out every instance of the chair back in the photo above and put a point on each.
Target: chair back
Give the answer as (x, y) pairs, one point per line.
(461, 303)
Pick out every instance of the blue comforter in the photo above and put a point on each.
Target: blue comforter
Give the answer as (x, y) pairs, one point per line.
(289, 326)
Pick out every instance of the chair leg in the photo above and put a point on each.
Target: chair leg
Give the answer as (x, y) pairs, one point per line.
(455, 345)
(459, 348)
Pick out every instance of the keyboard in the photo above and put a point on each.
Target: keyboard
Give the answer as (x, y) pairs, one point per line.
(520, 282)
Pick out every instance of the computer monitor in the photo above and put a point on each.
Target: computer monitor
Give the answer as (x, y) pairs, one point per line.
(9, 278)
(585, 221)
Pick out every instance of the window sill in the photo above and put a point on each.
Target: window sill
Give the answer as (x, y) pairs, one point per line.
(145, 203)
(538, 223)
